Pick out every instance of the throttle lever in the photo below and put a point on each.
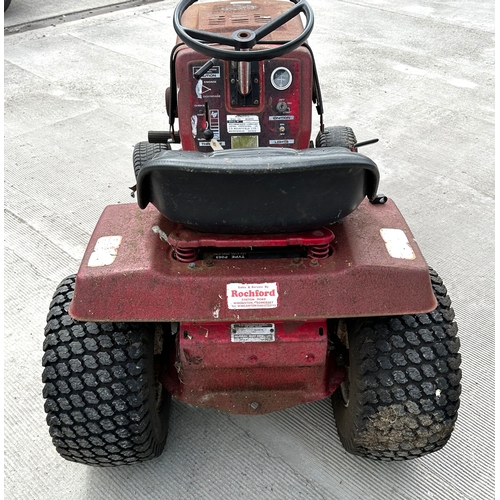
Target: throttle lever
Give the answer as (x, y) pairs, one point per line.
(206, 67)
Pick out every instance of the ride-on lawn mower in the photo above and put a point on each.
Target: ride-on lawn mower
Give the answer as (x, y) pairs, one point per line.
(259, 270)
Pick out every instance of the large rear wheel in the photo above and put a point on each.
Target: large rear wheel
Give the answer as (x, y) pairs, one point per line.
(401, 396)
(104, 403)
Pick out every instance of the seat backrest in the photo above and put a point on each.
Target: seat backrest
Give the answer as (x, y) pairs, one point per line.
(261, 190)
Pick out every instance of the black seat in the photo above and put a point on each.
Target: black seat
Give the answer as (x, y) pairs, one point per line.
(261, 190)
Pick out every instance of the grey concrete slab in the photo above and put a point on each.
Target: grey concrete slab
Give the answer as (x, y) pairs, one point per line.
(418, 75)
(22, 11)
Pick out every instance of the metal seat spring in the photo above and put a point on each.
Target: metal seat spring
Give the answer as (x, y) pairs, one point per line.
(186, 254)
(319, 251)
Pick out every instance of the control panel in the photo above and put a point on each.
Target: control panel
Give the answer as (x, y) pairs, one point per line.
(275, 112)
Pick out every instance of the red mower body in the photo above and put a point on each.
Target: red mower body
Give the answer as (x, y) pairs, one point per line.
(249, 312)
(130, 272)
(258, 270)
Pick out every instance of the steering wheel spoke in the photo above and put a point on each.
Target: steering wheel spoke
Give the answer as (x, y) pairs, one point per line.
(208, 37)
(282, 19)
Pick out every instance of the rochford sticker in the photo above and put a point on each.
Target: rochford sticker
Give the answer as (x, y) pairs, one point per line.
(252, 295)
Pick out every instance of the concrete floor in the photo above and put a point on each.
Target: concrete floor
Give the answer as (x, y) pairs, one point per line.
(78, 95)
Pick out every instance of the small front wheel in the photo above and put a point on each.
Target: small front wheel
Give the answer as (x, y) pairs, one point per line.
(145, 151)
(104, 403)
(336, 137)
(401, 395)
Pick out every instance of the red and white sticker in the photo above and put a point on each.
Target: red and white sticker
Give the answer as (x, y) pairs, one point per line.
(252, 295)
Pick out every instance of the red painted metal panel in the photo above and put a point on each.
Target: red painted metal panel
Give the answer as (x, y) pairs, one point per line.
(144, 282)
(295, 344)
(252, 377)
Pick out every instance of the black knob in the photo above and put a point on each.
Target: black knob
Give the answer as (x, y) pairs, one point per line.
(208, 134)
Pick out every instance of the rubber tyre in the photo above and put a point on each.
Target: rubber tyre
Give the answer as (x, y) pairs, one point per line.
(145, 151)
(401, 396)
(336, 137)
(104, 404)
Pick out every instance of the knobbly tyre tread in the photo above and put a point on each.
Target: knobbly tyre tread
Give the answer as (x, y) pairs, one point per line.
(404, 381)
(145, 151)
(99, 385)
(336, 137)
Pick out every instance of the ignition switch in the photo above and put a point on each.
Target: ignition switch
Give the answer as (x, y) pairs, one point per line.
(282, 107)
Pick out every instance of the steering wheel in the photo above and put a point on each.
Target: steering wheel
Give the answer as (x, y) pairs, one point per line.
(244, 39)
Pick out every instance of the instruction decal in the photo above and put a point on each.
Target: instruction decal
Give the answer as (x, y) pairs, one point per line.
(201, 89)
(281, 141)
(208, 86)
(215, 123)
(243, 124)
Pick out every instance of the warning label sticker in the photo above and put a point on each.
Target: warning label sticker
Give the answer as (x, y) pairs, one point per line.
(252, 295)
(213, 72)
(243, 124)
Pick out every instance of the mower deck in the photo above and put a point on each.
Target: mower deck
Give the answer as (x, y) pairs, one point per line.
(129, 273)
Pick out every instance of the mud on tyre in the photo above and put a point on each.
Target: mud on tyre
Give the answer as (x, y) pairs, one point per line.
(104, 404)
(401, 396)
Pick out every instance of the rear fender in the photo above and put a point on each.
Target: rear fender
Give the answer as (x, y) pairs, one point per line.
(129, 273)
